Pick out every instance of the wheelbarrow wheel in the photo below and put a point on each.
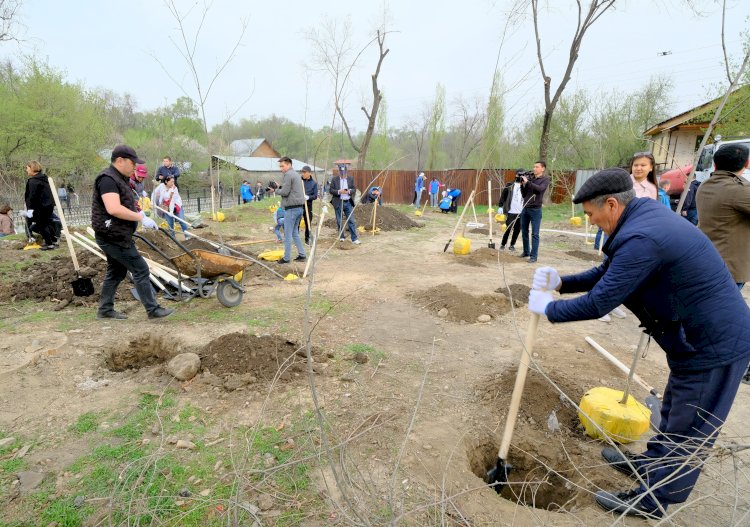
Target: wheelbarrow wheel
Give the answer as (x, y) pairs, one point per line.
(228, 294)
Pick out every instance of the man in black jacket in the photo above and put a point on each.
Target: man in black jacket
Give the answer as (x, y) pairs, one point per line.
(532, 190)
(342, 190)
(311, 194)
(114, 217)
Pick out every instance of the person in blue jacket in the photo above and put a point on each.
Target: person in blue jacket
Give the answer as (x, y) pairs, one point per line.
(663, 193)
(669, 274)
(246, 191)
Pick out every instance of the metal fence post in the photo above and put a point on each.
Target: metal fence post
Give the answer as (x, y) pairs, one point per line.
(199, 204)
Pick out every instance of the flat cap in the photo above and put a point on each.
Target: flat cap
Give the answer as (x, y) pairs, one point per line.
(603, 183)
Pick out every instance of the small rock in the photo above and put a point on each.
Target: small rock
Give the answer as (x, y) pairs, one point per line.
(265, 502)
(6, 442)
(79, 501)
(535, 355)
(427, 446)
(348, 377)
(484, 318)
(580, 350)
(442, 313)
(25, 449)
(28, 480)
(184, 443)
(184, 493)
(205, 492)
(184, 366)
(360, 358)
(156, 429)
(269, 460)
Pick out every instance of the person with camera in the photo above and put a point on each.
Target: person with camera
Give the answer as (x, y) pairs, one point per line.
(533, 186)
(343, 190)
(511, 203)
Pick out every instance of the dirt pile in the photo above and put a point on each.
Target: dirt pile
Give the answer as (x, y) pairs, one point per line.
(388, 219)
(484, 256)
(589, 256)
(167, 246)
(51, 280)
(239, 359)
(141, 352)
(459, 305)
(518, 292)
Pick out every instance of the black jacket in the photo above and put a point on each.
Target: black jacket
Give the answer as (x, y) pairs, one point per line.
(334, 190)
(533, 191)
(107, 227)
(38, 195)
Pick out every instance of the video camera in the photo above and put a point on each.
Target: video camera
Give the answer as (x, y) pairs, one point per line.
(528, 174)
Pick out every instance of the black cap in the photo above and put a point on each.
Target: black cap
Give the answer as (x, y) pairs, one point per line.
(603, 183)
(306, 168)
(126, 152)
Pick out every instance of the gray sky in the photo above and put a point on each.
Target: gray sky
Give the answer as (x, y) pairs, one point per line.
(102, 43)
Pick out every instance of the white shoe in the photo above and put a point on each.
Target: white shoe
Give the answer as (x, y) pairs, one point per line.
(605, 318)
(356, 242)
(618, 313)
(342, 239)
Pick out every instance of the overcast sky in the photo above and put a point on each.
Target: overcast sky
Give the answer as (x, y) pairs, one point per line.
(116, 44)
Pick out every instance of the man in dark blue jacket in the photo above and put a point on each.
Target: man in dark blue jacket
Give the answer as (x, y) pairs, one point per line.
(669, 274)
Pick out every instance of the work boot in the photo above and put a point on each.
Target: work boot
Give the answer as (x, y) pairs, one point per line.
(160, 312)
(115, 315)
(524, 255)
(631, 503)
(300, 259)
(618, 460)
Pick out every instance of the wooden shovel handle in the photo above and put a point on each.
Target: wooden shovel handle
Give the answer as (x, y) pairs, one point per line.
(515, 398)
(69, 241)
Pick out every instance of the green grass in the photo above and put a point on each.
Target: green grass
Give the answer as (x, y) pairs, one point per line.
(9, 466)
(85, 423)
(373, 353)
(65, 513)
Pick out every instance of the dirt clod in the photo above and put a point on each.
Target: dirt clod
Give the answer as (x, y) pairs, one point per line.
(461, 305)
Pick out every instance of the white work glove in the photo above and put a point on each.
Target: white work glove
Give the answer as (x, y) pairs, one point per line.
(144, 194)
(538, 301)
(148, 223)
(499, 210)
(307, 197)
(546, 278)
(29, 213)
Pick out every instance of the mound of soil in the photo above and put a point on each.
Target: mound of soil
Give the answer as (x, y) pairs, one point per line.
(485, 256)
(584, 255)
(143, 351)
(167, 246)
(238, 359)
(542, 459)
(460, 305)
(388, 219)
(518, 292)
(51, 280)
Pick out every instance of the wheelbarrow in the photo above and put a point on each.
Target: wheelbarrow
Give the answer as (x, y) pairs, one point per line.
(203, 272)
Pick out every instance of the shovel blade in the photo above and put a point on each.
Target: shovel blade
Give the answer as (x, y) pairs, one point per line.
(497, 476)
(82, 287)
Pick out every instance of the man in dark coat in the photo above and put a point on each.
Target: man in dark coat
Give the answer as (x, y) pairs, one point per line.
(342, 191)
(670, 275)
(311, 194)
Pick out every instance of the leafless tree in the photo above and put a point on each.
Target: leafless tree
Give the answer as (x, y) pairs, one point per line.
(586, 18)
(9, 14)
(332, 51)
(469, 119)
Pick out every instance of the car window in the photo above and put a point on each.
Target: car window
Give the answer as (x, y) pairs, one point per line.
(706, 160)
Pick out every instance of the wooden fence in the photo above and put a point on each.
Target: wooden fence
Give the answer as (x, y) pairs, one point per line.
(398, 185)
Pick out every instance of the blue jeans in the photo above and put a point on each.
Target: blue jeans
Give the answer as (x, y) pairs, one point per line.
(433, 200)
(291, 232)
(170, 222)
(120, 260)
(346, 205)
(277, 229)
(692, 216)
(533, 217)
(418, 199)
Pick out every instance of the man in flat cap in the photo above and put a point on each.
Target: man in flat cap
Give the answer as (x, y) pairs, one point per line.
(673, 279)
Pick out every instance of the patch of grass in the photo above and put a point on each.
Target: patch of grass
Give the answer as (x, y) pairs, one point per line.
(65, 514)
(85, 423)
(75, 320)
(373, 353)
(8, 466)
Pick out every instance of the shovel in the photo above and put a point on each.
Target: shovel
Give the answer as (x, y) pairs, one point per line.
(497, 476)
(81, 286)
(490, 244)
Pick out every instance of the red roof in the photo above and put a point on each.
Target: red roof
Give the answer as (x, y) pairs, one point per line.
(343, 162)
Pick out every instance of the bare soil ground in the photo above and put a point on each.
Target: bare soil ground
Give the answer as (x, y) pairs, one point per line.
(412, 403)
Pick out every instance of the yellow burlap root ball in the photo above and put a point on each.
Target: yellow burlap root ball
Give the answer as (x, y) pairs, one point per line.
(623, 423)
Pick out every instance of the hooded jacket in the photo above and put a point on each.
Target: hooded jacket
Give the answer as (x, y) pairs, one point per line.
(670, 275)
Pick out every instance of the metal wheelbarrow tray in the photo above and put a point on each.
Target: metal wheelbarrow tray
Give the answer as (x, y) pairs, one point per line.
(204, 272)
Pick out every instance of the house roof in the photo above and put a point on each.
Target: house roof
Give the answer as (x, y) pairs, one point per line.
(246, 147)
(701, 114)
(262, 164)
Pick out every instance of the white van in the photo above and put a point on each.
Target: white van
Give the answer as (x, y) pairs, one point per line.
(706, 161)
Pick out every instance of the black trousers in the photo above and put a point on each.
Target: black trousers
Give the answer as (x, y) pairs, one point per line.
(120, 260)
(308, 219)
(43, 220)
(512, 222)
